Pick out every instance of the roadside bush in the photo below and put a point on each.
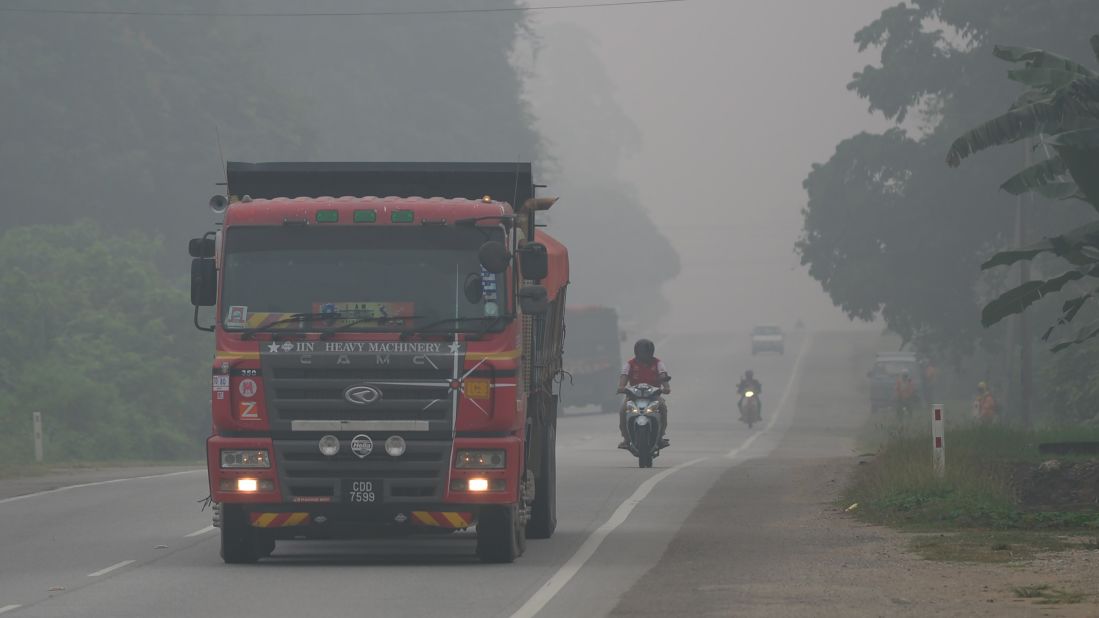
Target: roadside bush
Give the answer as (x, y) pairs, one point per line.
(100, 342)
(899, 487)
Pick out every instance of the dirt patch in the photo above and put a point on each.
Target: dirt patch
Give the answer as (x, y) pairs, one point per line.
(1057, 485)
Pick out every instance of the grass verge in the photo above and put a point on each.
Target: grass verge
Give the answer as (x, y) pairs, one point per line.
(1048, 595)
(973, 513)
(30, 470)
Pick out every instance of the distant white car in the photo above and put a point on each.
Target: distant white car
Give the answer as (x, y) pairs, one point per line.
(768, 339)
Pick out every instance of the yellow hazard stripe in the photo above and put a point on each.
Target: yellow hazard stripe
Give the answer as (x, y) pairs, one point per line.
(456, 520)
(296, 519)
(265, 520)
(496, 356)
(237, 356)
(425, 518)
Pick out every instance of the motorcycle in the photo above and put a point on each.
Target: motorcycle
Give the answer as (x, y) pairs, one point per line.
(749, 408)
(643, 423)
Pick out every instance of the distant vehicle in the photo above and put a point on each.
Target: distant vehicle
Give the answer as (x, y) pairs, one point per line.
(768, 339)
(593, 357)
(888, 366)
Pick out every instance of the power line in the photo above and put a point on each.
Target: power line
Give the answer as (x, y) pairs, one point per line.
(383, 13)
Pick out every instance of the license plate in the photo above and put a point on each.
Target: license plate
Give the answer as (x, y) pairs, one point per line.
(362, 492)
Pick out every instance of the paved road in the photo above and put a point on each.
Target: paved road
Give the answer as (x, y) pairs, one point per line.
(143, 548)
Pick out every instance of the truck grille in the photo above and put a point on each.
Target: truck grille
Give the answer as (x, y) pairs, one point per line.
(418, 474)
(408, 392)
(302, 389)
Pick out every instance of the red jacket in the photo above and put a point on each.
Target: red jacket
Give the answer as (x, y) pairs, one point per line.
(637, 372)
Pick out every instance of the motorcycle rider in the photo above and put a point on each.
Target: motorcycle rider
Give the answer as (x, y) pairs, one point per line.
(644, 368)
(750, 383)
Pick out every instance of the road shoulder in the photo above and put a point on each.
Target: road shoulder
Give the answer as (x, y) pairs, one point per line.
(57, 478)
(790, 551)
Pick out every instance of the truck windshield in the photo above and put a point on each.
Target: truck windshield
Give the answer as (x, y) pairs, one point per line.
(383, 278)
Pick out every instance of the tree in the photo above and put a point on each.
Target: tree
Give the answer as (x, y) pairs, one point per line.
(889, 231)
(98, 342)
(117, 118)
(1061, 110)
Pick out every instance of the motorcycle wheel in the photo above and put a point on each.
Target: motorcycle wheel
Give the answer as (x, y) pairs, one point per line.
(644, 448)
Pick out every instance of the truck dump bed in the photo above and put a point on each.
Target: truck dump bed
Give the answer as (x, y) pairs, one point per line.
(506, 182)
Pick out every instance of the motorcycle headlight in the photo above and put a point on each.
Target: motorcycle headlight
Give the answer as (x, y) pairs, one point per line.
(631, 406)
(749, 394)
(653, 408)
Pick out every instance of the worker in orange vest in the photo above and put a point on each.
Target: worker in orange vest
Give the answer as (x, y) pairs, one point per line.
(906, 393)
(985, 407)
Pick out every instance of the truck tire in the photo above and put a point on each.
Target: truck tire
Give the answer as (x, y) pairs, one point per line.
(543, 513)
(239, 542)
(500, 536)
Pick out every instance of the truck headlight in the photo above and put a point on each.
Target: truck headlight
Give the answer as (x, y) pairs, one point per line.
(250, 458)
(480, 459)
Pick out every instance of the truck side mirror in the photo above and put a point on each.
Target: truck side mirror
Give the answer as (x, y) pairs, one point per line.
(201, 247)
(493, 256)
(534, 261)
(533, 300)
(204, 282)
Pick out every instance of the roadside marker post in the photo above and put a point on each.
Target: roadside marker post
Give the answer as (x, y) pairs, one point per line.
(37, 416)
(938, 440)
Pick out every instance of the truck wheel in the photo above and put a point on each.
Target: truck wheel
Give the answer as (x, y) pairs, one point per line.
(543, 513)
(239, 544)
(500, 536)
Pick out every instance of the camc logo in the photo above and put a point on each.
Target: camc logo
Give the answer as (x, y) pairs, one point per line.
(362, 395)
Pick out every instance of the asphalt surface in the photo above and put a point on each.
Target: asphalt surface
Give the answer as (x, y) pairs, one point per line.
(143, 547)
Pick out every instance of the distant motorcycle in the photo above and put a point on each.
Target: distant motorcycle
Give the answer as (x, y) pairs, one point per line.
(749, 409)
(643, 424)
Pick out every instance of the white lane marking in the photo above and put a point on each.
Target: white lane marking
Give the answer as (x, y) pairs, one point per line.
(113, 567)
(569, 570)
(199, 532)
(97, 483)
(8, 608)
(592, 543)
(795, 375)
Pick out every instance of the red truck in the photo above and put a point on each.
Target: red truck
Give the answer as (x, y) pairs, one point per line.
(385, 363)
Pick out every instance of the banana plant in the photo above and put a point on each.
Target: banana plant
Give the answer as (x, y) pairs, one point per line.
(1060, 110)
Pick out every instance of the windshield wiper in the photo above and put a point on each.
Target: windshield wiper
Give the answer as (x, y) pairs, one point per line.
(297, 317)
(408, 332)
(356, 321)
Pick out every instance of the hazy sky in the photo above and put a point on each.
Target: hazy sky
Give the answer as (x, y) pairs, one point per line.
(734, 100)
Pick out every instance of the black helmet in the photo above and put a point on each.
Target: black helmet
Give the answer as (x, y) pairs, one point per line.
(749, 374)
(644, 349)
